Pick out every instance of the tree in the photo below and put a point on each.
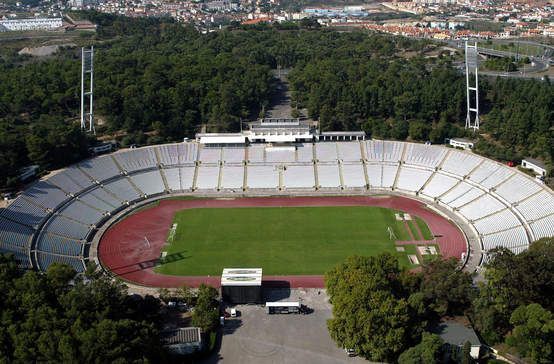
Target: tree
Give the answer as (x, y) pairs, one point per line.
(186, 294)
(57, 317)
(447, 289)
(533, 333)
(205, 314)
(429, 350)
(368, 314)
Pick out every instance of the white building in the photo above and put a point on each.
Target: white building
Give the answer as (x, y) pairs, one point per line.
(31, 24)
(535, 165)
(461, 143)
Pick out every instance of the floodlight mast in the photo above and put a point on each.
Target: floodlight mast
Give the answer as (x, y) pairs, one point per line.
(87, 74)
(471, 54)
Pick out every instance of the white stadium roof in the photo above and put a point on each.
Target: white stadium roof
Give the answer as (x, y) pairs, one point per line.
(241, 277)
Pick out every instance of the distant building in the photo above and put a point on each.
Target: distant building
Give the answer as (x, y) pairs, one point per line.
(31, 24)
(535, 165)
(456, 335)
(279, 130)
(461, 143)
(182, 341)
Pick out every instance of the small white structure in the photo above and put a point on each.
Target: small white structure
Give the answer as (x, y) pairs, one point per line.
(31, 24)
(461, 143)
(241, 285)
(535, 165)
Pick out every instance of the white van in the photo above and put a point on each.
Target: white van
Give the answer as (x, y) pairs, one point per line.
(233, 312)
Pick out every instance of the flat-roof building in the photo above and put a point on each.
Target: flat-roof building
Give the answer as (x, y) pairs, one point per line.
(535, 165)
(241, 285)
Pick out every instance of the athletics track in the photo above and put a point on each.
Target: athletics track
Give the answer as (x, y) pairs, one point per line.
(124, 251)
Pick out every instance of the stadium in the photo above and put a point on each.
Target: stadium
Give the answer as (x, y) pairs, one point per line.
(120, 210)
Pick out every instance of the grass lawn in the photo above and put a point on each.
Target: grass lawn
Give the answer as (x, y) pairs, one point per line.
(281, 240)
(424, 229)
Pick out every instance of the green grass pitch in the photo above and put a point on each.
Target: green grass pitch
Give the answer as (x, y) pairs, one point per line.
(281, 240)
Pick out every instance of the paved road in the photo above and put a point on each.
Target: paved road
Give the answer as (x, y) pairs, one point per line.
(256, 337)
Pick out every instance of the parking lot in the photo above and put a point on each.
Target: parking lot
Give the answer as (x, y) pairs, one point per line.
(256, 337)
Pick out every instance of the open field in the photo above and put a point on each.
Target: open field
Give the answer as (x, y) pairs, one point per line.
(281, 240)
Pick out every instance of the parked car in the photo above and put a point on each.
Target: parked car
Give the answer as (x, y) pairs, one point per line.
(350, 352)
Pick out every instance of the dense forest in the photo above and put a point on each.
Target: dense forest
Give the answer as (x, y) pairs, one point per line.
(158, 81)
(387, 314)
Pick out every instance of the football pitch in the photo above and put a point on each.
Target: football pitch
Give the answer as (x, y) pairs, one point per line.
(281, 240)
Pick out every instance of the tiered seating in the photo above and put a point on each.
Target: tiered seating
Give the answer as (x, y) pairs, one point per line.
(277, 155)
(349, 151)
(45, 260)
(517, 188)
(375, 174)
(304, 153)
(482, 206)
(326, 152)
(123, 189)
(100, 199)
(500, 175)
(170, 154)
(79, 211)
(210, 155)
(460, 163)
(392, 151)
(502, 220)
(100, 168)
(389, 174)
(301, 176)
(328, 175)
(544, 227)
(175, 154)
(439, 184)
(150, 182)
(232, 177)
(260, 176)
(233, 155)
(483, 171)
(412, 179)
(510, 239)
(256, 153)
(77, 176)
(424, 155)
(24, 212)
(207, 177)
(374, 150)
(63, 181)
(537, 206)
(45, 194)
(59, 245)
(61, 225)
(187, 175)
(461, 194)
(137, 159)
(14, 235)
(172, 178)
(353, 175)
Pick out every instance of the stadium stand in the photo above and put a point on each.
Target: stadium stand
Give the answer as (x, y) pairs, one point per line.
(208, 177)
(328, 176)
(299, 176)
(173, 179)
(53, 220)
(149, 182)
(232, 177)
(136, 159)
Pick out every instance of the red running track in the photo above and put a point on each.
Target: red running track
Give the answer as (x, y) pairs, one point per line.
(124, 251)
